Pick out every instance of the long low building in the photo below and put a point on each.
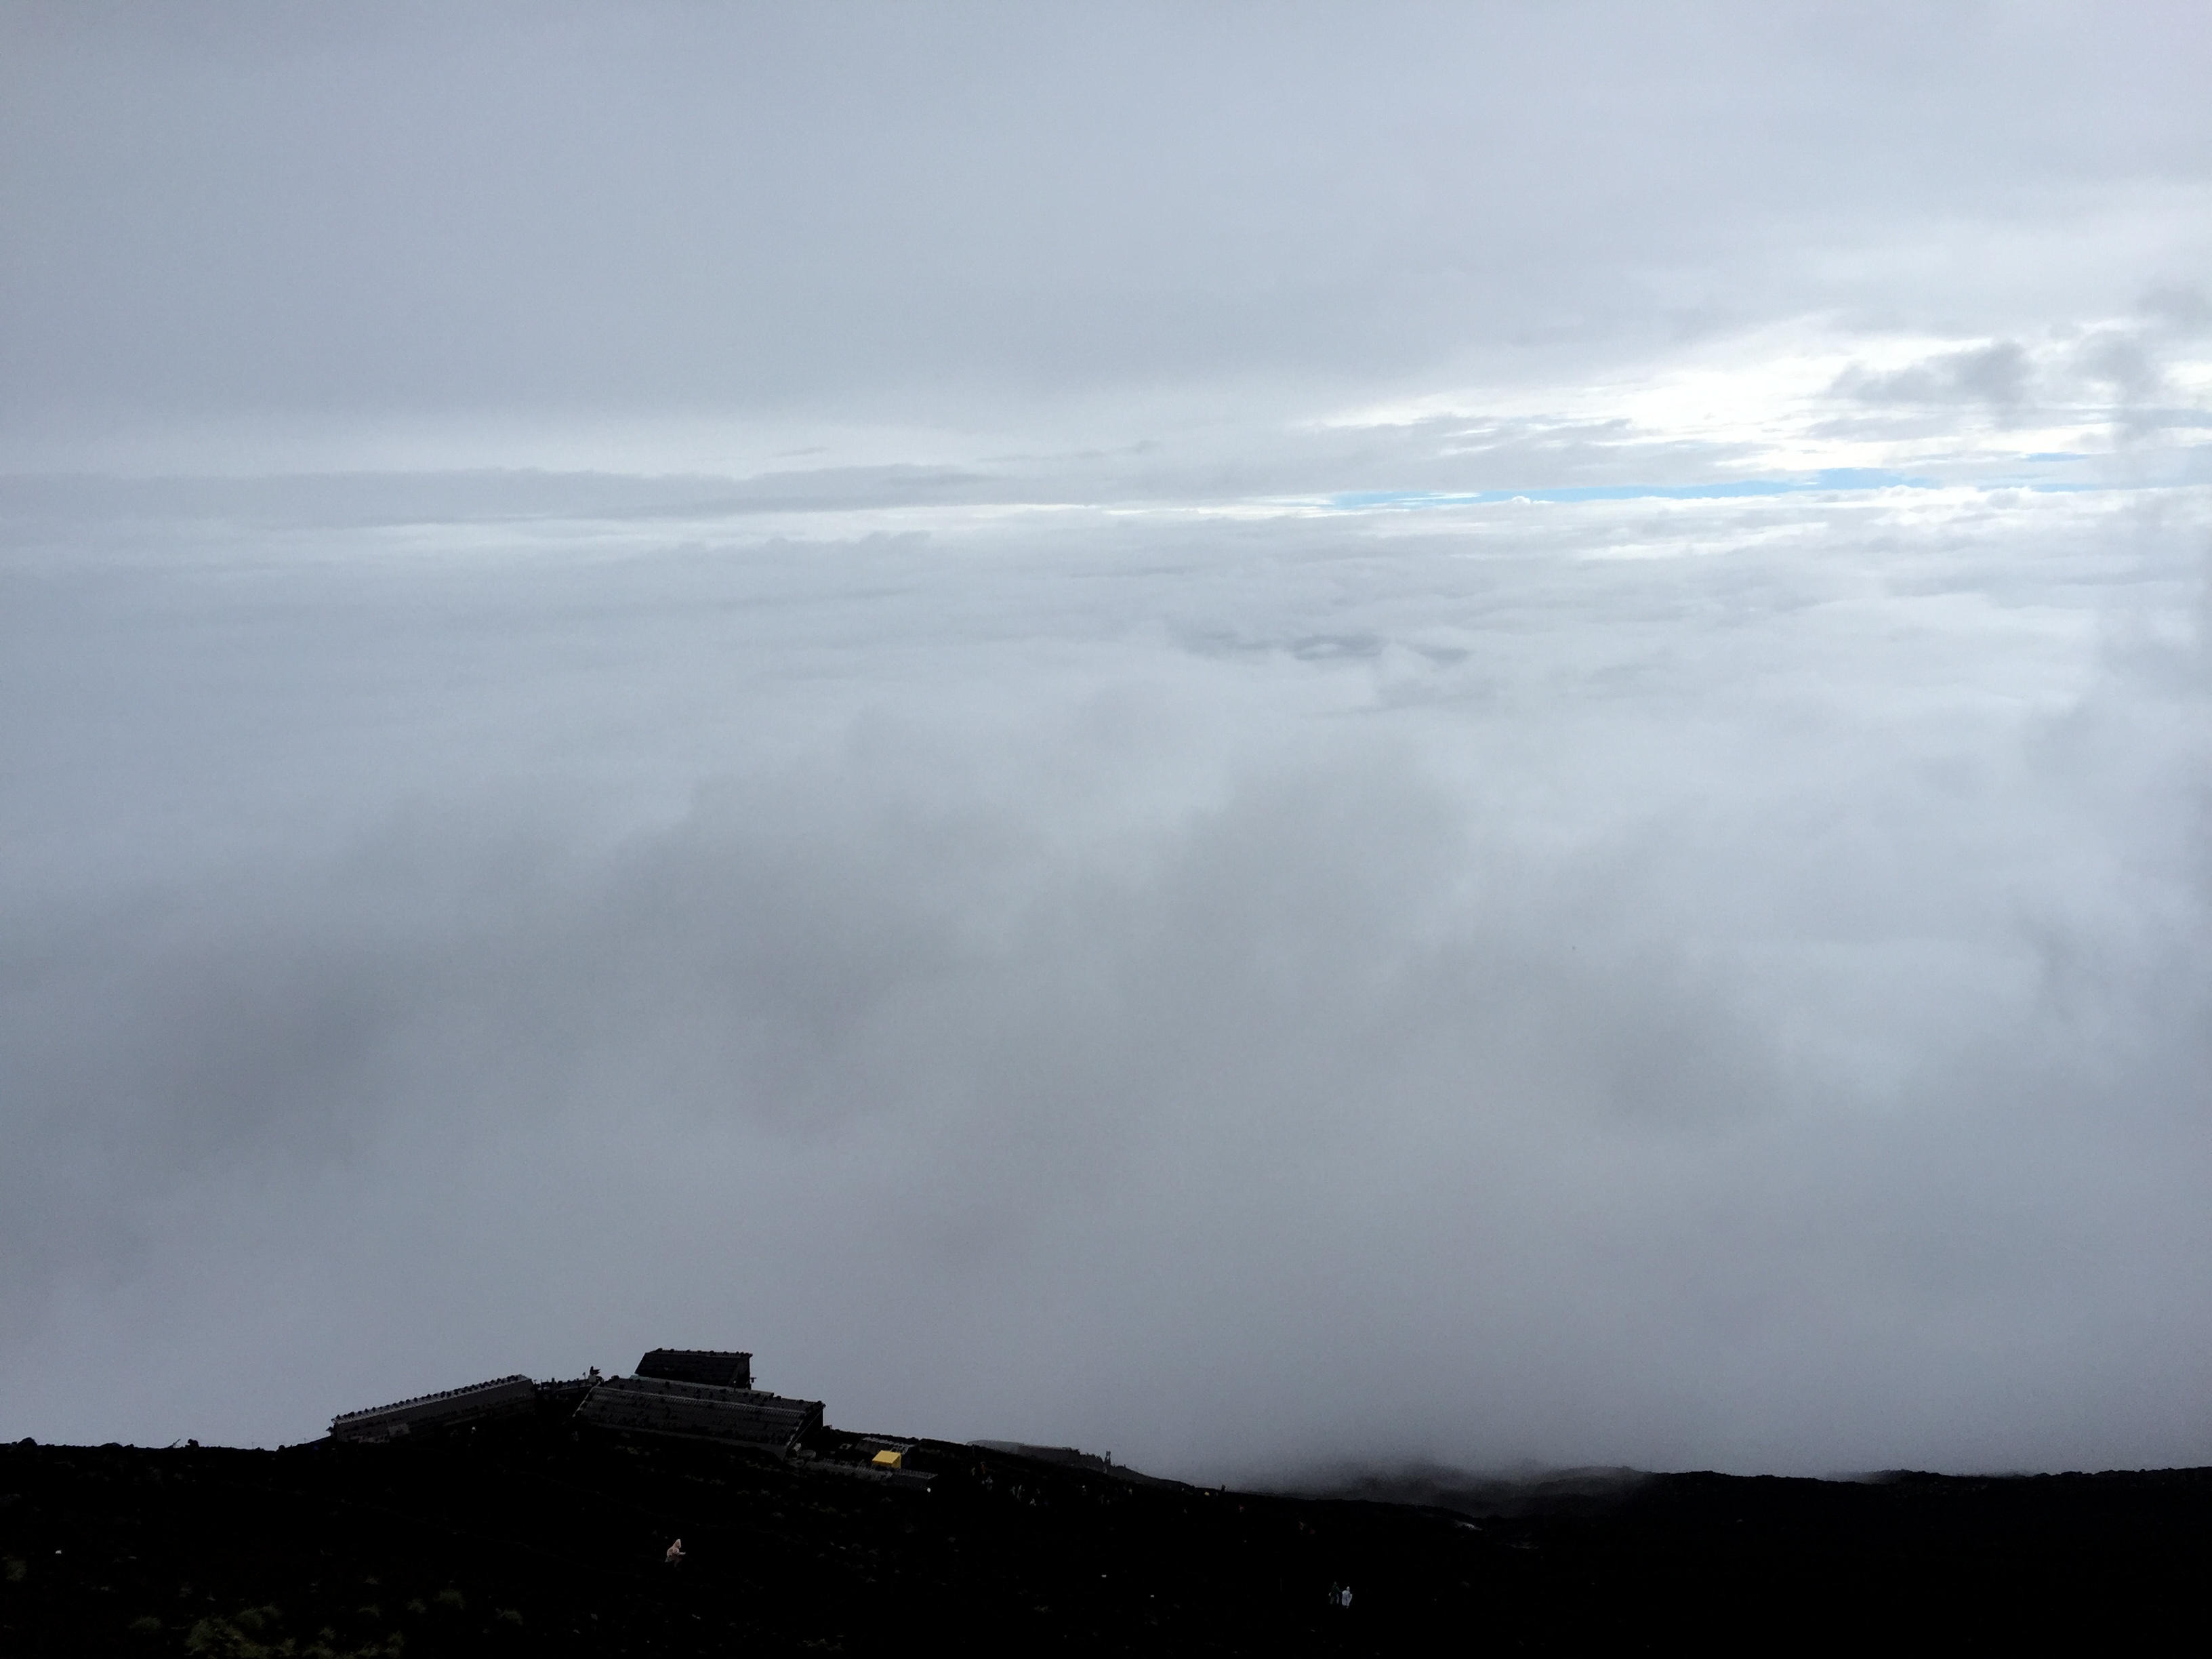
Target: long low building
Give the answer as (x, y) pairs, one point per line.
(654, 1405)
(503, 1396)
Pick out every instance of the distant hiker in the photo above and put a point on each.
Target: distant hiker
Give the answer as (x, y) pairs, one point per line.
(675, 1552)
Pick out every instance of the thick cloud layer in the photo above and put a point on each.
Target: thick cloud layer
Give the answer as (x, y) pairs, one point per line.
(1258, 735)
(1701, 984)
(1020, 221)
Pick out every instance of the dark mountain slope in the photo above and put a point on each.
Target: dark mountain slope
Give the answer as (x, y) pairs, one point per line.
(537, 1536)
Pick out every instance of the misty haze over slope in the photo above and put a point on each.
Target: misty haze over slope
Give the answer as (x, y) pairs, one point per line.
(1022, 721)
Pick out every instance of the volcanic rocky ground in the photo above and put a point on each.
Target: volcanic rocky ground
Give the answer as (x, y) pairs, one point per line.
(541, 1536)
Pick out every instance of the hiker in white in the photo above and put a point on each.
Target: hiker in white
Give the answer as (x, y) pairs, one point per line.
(675, 1552)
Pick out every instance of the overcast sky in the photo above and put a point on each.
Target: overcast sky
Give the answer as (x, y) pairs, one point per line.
(1268, 736)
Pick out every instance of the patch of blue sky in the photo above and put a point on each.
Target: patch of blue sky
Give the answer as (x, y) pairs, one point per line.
(1833, 478)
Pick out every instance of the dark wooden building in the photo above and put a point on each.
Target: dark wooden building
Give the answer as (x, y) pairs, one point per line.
(722, 1370)
(657, 1405)
(503, 1396)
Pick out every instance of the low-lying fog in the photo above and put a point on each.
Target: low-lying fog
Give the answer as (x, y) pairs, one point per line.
(1709, 982)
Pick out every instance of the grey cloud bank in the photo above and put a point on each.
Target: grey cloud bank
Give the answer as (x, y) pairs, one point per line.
(825, 681)
(1440, 995)
(922, 214)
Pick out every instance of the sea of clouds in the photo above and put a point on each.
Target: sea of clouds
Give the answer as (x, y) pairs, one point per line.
(1267, 736)
(1675, 982)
